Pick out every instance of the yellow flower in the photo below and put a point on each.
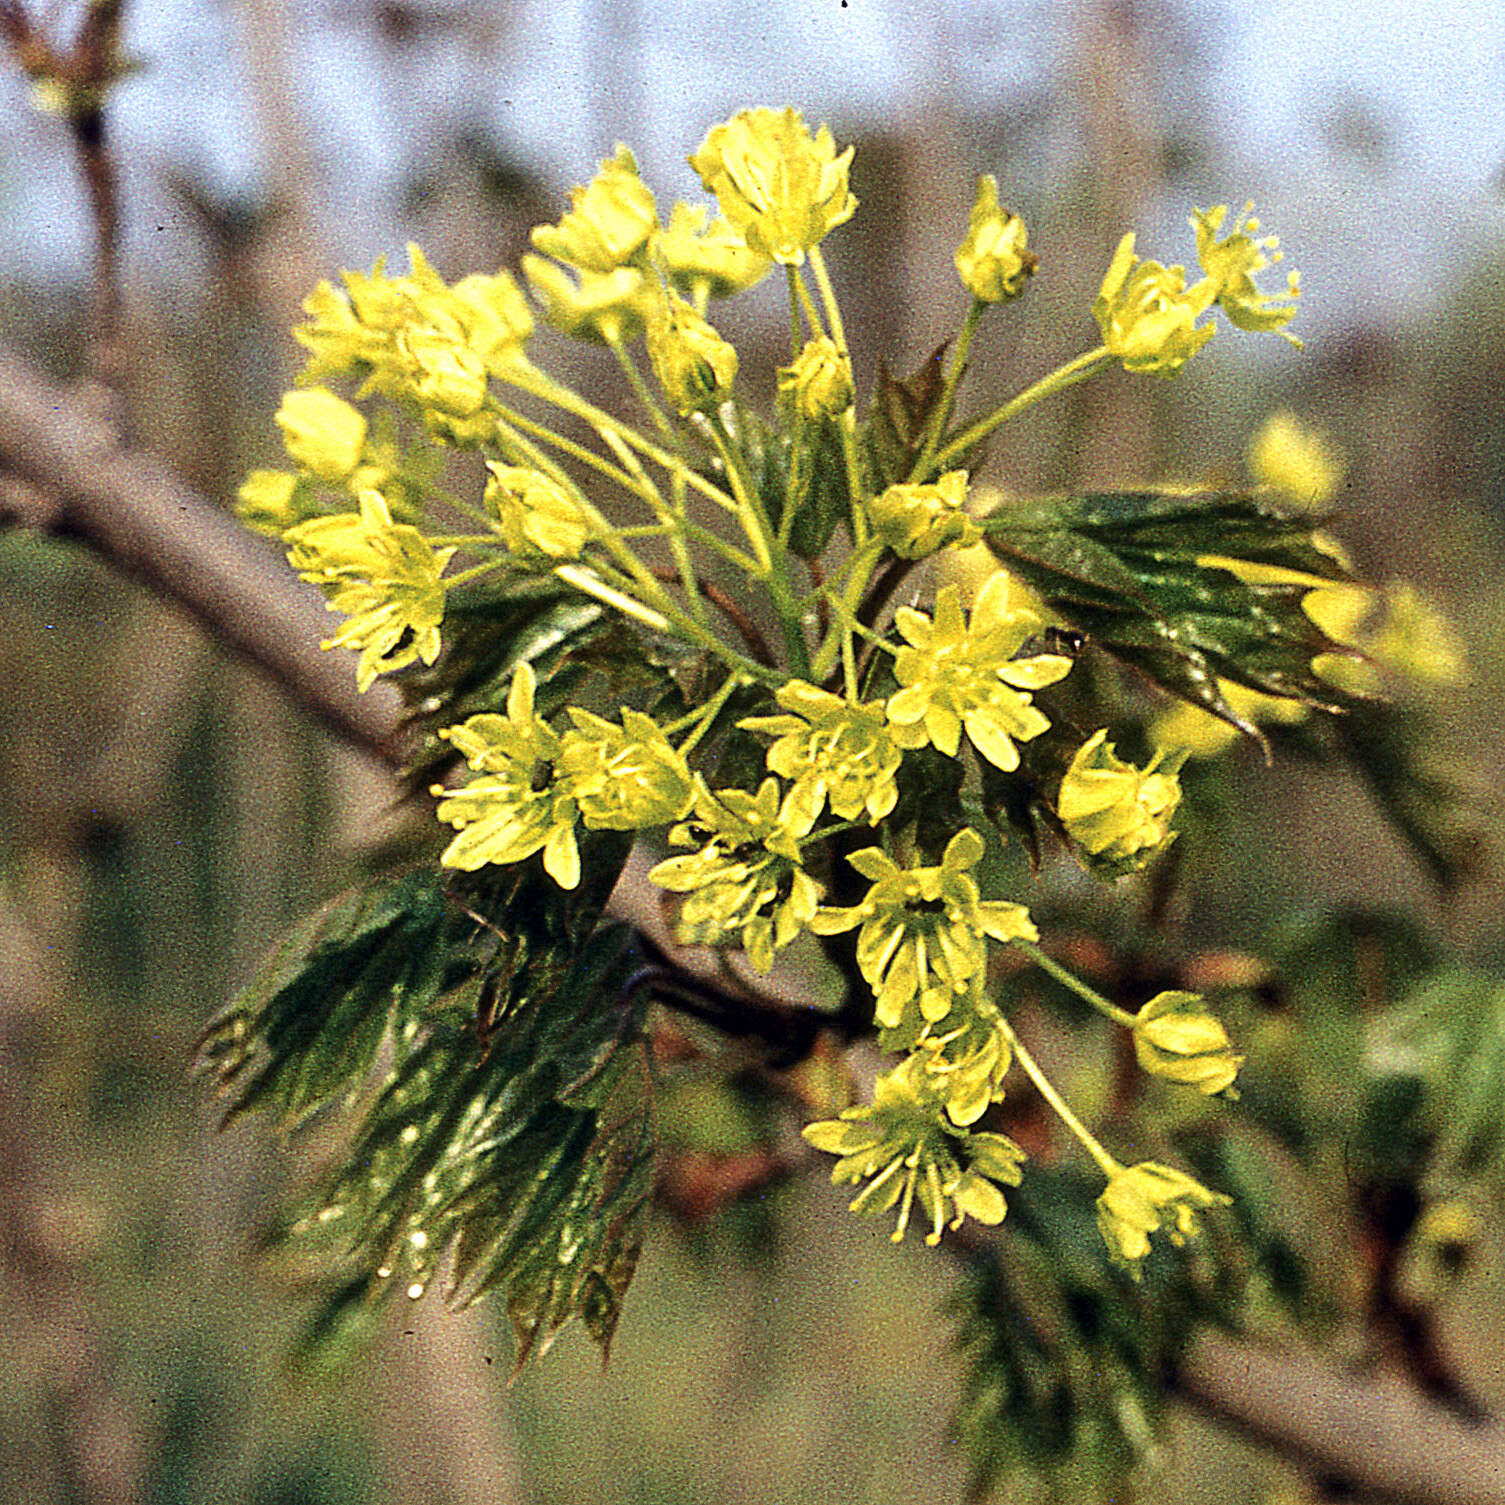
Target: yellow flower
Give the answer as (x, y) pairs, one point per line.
(961, 675)
(1141, 1199)
(819, 380)
(966, 1064)
(363, 327)
(609, 221)
(1231, 264)
(921, 945)
(1119, 814)
(1175, 1038)
(782, 190)
(623, 778)
(832, 750)
(267, 502)
(495, 317)
(446, 374)
(608, 307)
(745, 878)
(1148, 315)
(322, 433)
(907, 1152)
(706, 260)
(694, 365)
(517, 806)
(1294, 461)
(383, 575)
(916, 520)
(535, 514)
(991, 261)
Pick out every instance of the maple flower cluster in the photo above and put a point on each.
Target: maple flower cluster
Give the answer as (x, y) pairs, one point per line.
(827, 731)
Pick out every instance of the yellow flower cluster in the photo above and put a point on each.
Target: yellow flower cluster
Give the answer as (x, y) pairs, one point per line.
(836, 720)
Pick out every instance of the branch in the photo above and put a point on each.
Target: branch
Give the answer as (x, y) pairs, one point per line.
(1378, 1435)
(70, 477)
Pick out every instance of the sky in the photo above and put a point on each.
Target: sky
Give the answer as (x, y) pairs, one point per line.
(1429, 75)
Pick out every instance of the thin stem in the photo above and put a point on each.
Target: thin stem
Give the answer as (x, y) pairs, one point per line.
(461, 540)
(847, 423)
(639, 487)
(707, 713)
(450, 581)
(1064, 376)
(749, 504)
(828, 299)
(792, 280)
(799, 293)
(747, 629)
(942, 420)
(1068, 980)
(773, 571)
(436, 493)
(642, 392)
(859, 572)
(718, 545)
(1106, 1163)
(529, 378)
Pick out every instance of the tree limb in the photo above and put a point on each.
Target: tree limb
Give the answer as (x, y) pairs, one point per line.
(1378, 1435)
(70, 477)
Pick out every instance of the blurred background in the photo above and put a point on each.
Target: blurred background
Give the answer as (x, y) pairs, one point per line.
(164, 813)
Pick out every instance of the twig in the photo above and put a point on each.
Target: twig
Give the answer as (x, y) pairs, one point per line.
(747, 629)
(131, 509)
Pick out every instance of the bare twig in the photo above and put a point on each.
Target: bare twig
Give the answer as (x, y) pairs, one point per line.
(76, 81)
(131, 509)
(1380, 1435)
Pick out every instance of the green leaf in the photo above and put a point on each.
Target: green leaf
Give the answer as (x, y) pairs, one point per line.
(826, 500)
(1131, 570)
(1398, 753)
(514, 1116)
(893, 435)
(1448, 1034)
(530, 1167)
(1064, 1353)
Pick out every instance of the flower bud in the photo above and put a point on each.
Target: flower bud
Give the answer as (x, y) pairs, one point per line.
(819, 379)
(1175, 1038)
(1148, 315)
(1119, 814)
(1295, 462)
(991, 261)
(267, 502)
(321, 432)
(609, 221)
(534, 513)
(694, 365)
(915, 520)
